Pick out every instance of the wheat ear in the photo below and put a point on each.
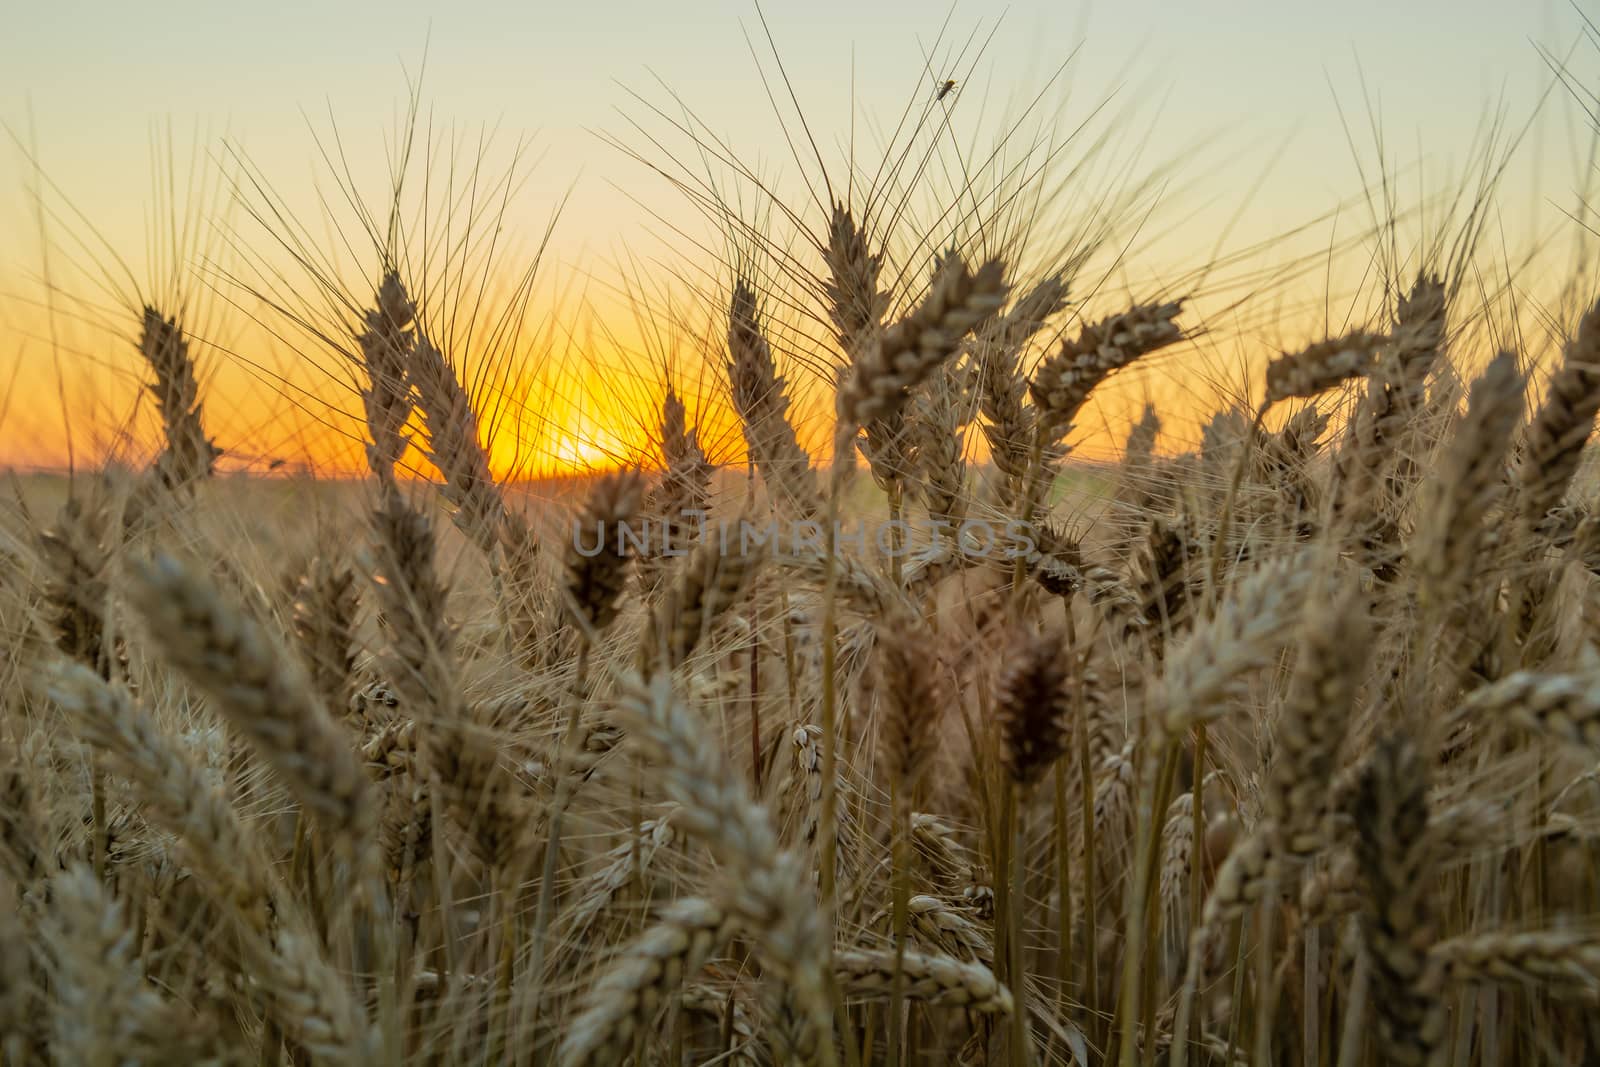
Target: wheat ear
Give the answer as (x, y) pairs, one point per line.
(760, 396)
(190, 455)
(260, 690)
(450, 435)
(1562, 425)
(867, 974)
(648, 970)
(1395, 848)
(765, 887)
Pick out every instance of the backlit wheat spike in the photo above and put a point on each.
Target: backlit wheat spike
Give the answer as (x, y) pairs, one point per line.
(412, 602)
(672, 505)
(1419, 334)
(1057, 563)
(1245, 877)
(1562, 425)
(1114, 788)
(908, 697)
(708, 584)
(947, 928)
(178, 793)
(405, 829)
(1470, 482)
(885, 369)
(1333, 891)
(327, 603)
(78, 558)
(937, 416)
(450, 435)
(1061, 385)
(307, 998)
(312, 1000)
(760, 396)
(687, 468)
(617, 872)
(1205, 667)
(190, 455)
(856, 306)
(1177, 848)
(947, 863)
(888, 445)
(1334, 636)
(1322, 366)
(858, 586)
(1162, 579)
(1417, 345)
(1027, 315)
(384, 354)
(105, 1011)
(806, 740)
(599, 553)
(1008, 423)
(480, 793)
(1139, 486)
(1286, 461)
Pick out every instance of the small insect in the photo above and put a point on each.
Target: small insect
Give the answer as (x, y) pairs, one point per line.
(946, 89)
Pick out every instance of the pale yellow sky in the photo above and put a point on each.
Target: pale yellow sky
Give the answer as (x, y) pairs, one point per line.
(1259, 110)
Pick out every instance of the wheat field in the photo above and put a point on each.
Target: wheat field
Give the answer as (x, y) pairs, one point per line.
(932, 741)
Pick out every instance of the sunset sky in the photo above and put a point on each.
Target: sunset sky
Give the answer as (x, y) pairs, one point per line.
(1240, 99)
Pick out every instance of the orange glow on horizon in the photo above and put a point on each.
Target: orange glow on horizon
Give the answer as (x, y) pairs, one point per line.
(591, 411)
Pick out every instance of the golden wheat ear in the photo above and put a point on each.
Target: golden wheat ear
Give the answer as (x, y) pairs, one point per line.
(1396, 849)
(189, 456)
(599, 553)
(760, 396)
(652, 968)
(1322, 366)
(383, 354)
(450, 436)
(889, 365)
(765, 888)
(1061, 385)
(1561, 427)
(261, 690)
(683, 492)
(1032, 703)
